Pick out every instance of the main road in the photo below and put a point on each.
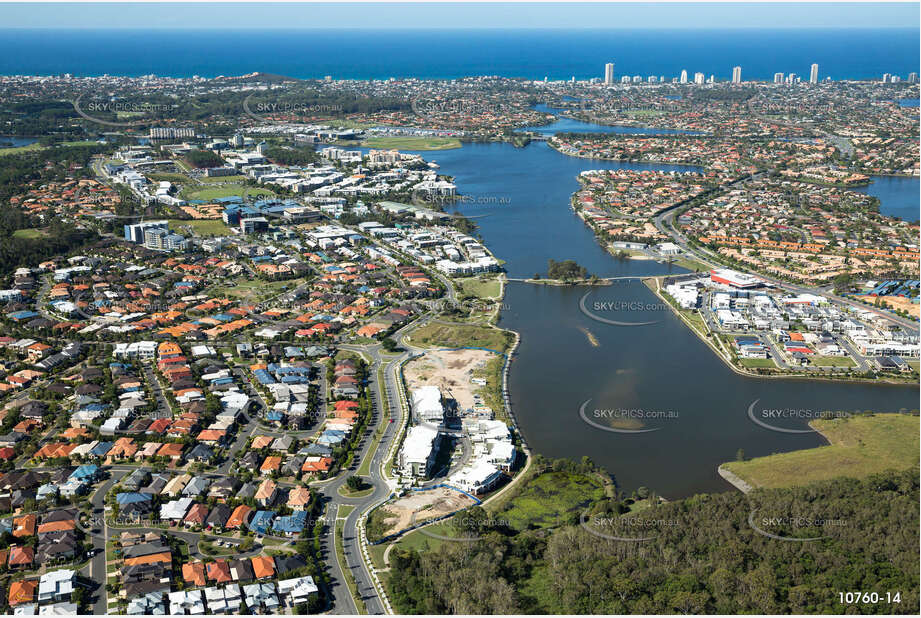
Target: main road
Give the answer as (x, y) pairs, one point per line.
(386, 396)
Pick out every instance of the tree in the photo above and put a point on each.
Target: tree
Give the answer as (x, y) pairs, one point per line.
(389, 344)
(565, 270)
(355, 483)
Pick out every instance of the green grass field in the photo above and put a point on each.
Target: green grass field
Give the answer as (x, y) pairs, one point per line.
(225, 191)
(860, 446)
(752, 363)
(691, 264)
(833, 361)
(377, 555)
(420, 542)
(488, 287)
(36, 146)
(29, 233)
(201, 227)
(213, 179)
(177, 178)
(551, 499)
(345, 491)
(256, 290)
(460, 335)
(82, 142)
(412, 143)
(21, 149)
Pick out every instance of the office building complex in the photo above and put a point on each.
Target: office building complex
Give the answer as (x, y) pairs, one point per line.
(161, 239)
(170, 132)
(137, 232)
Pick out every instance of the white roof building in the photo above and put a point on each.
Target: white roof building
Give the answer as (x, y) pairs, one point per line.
(299, 589)
(418, 451)
(56, 585)
(151, 603)
(186, 602)
(176, 509)
(260, 595)
(137, 349)
(59, 609)
(426, 404)
(477, 478)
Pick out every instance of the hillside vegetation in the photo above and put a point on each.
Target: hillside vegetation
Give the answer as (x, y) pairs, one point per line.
(704, 557)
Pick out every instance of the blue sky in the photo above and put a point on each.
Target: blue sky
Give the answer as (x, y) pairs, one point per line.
(460, 15)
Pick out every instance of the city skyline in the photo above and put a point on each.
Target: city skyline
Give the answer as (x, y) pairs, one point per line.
(736, 77)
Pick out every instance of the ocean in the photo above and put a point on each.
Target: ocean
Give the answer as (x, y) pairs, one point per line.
(534, 54)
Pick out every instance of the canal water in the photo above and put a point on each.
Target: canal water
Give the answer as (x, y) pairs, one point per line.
(697, 406)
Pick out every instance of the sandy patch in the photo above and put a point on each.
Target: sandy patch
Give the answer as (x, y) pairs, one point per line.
(450, 371)
(896, 302)
(419, 506)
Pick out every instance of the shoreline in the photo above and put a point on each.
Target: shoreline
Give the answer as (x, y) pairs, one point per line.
(703, 165)
(748, 374)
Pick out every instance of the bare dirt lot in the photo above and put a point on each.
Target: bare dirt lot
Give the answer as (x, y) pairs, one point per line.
(420, 506)
(897, 302)
(449, 370)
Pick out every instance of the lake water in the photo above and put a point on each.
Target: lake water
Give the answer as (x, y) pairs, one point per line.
(9, 141)
(899, 196)
(568, 125)
(520, 201)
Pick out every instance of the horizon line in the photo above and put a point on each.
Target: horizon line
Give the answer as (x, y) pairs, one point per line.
(458, 28)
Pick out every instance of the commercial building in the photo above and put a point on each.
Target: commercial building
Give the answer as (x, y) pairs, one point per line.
(254, 224)
(171, 132)
(814, 74)
(698, 78)
(161, 239)
(609, 73)
(736, 75)
(732, 278)
(136, 232)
